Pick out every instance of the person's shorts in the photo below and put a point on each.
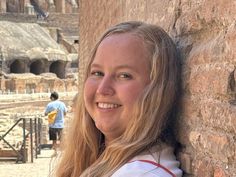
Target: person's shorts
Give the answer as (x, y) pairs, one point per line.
(55, 133)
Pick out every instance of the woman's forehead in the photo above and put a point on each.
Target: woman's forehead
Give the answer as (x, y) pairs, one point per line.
(120, 47)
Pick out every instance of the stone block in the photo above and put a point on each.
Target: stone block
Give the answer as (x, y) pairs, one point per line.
(218, 115)
(190, 109)
(203, 168)
(230, 41)
(197, 16)
(59, 85)
(216, 145)
(210, 79)
(209, 50)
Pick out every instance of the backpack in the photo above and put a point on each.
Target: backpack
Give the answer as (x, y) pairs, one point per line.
(52, 116)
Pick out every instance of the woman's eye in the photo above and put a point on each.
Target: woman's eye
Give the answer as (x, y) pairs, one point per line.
(96, 73)
(125, 76)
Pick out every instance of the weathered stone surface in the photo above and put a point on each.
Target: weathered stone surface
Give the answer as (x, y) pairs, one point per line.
(214, 144)
(28, 41)
(205, 79)
(205, 33)
(200, 15)
(203, 168)
(30, 48)
(26, 6)
(30, 83)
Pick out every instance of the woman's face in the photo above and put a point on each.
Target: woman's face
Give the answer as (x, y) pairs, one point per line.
(118, 75)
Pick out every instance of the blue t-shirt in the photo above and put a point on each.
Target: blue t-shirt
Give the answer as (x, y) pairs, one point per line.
(61, 107)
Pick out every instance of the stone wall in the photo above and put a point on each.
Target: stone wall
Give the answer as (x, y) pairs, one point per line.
(25, 6)
(205, 32)
(67, 22)
(18, 17)
(29, 83)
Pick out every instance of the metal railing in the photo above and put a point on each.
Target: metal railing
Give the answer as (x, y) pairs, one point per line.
(35, 126)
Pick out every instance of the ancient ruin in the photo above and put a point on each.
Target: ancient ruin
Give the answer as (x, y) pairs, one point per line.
(39, 46)
(38, 54)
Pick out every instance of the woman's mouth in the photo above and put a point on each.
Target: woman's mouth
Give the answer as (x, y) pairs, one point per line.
(107, 105)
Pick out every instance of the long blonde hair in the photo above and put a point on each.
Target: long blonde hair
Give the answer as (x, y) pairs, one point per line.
(150, 123)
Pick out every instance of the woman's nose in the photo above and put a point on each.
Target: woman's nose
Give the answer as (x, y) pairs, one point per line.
(105, 87)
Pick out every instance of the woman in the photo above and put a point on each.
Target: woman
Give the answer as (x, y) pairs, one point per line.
(125, 116)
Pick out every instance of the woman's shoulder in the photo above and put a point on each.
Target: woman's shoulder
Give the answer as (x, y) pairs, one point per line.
(141, 168)
(160, 163)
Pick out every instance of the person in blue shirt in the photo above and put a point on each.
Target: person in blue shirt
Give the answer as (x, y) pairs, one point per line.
(55, 129)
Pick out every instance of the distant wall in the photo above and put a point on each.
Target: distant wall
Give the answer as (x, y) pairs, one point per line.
(18, 17)
(68, 22)
(205, 32)
(25, 6)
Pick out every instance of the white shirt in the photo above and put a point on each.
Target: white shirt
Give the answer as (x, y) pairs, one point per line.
(146, 165)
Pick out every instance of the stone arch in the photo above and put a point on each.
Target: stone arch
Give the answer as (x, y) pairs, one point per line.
(58, 67)
(74, 64)
(37, 67)
(17, 66)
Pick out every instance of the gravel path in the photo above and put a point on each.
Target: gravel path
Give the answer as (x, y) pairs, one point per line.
(39, 168)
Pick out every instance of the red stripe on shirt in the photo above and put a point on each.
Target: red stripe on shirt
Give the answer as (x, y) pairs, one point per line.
(158, 165)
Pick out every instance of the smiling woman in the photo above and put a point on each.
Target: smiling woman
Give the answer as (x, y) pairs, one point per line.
(124, 122)
(118, 75)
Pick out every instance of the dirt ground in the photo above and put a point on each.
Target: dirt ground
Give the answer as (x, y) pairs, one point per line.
(41, 166)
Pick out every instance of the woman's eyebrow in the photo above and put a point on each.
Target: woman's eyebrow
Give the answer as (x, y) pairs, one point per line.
(95, 65)
(117, 67)
(124, 66)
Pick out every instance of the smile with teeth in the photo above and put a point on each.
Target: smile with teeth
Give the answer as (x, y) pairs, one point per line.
(107, 105)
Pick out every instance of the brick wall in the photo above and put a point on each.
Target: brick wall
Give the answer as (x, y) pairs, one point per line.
(69, 23)
(205, 32)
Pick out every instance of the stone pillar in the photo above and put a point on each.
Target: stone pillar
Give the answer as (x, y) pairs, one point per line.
(26, 66)
(29, 9)
(51, 3)
(74, 6)
(3, 6)
(21, 6)
(47, 66)
(51, 6)
(26, 2)
(2, 84)
(60, 6)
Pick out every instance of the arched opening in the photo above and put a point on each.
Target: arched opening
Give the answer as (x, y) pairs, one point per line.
(74, 64)
(17, 67)
(58, 67)
(37, 67)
